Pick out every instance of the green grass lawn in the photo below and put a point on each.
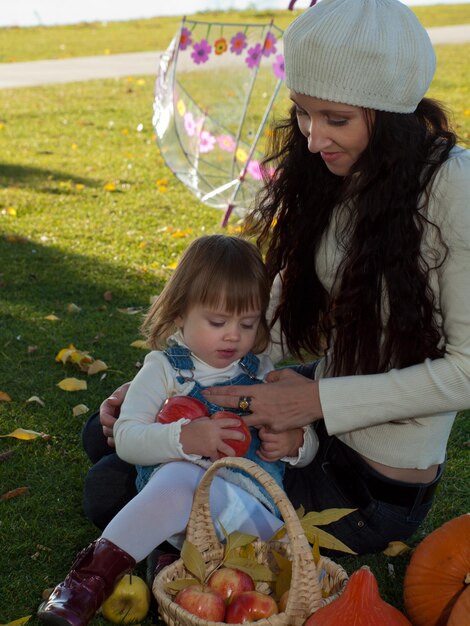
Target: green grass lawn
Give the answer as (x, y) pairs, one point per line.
(60, 42)
(81, 215)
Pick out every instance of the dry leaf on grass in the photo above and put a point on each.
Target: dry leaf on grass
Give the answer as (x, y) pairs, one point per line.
(4, 397)
(26, 435)
(80, 409)
(14, 493)
(35, 399)
(396, 548)
(140, 343)
(96, 367)
(131, 310)
(72, 384)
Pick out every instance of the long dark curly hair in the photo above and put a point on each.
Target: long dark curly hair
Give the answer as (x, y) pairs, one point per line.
(385, 198)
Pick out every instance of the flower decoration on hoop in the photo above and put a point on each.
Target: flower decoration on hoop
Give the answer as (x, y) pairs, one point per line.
(216, 89)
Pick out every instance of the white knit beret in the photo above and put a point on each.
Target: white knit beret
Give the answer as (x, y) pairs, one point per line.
(368, 53)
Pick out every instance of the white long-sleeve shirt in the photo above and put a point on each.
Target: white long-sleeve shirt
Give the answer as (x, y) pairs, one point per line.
(142, 441)
(424, 398)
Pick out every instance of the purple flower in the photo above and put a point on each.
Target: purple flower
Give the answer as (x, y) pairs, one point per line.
(185, 38)
(206, 141)
(201, 52)
(269, 45)
(278, 67)
(238, 43)
(254, 56)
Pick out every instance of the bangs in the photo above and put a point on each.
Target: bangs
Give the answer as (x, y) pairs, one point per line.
(235, 294)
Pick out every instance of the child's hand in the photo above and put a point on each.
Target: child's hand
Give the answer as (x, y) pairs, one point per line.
(275, 446)
(205, 437)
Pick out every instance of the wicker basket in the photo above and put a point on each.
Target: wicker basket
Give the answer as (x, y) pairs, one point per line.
(306, 594)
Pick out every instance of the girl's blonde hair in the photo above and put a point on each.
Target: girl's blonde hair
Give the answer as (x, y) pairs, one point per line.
(215, 271)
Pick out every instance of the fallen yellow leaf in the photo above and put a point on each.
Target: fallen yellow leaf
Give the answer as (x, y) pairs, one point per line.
(25, 435)
(72, 384)
(80, 409)
(182, 233)
(96, 367)
(130, 310)
(73, 308)
(64, 354)
(9, 211)
(4, 397)
(52, 318)
(36, 399)
(77, 357)
(396, 548)
(140, 343)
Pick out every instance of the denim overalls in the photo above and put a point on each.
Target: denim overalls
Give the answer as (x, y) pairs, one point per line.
(180, 359)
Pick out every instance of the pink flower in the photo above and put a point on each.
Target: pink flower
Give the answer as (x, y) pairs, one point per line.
(206, 141)
(269, 46)
(201, 52)
(254, 56)
(238, 43)
(226, 143)
(278, 67)
(185, 38)
(189, 123)
(254, 169)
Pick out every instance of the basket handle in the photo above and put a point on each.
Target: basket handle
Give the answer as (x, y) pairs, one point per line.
(201, 531)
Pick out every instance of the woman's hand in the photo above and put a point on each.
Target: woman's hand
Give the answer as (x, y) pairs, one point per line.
(288, 401)
(205, 436)
(109, 412)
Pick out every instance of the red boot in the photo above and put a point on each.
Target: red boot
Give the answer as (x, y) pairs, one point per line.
(90, 581)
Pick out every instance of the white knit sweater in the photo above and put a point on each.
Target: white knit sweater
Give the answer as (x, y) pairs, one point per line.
(424, 398)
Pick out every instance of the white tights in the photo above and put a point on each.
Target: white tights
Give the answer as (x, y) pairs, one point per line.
(161, 511)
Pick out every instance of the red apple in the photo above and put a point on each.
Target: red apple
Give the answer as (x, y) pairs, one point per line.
(179, 407)
(229, 582)
(250, 606)
(203, 602)
(240, 446)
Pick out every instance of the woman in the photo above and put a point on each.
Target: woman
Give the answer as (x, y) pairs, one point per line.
(366, 230)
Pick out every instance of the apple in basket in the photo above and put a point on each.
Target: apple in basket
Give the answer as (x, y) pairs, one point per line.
(229, 582)
(203, 602)
(250, 606)
(240, 446)
(179, 407)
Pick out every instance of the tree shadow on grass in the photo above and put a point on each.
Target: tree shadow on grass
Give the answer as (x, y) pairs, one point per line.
(37, 177)
(37, 281)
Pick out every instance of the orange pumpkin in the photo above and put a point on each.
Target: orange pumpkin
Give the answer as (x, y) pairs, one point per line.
(460, 614)
(360, 604)
(435, 577)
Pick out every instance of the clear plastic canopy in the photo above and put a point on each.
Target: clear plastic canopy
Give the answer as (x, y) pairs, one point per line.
(215, 91)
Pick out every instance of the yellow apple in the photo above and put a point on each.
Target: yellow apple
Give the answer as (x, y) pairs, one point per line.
(129, 603)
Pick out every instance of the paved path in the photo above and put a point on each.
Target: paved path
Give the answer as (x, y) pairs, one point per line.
(33, 73)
